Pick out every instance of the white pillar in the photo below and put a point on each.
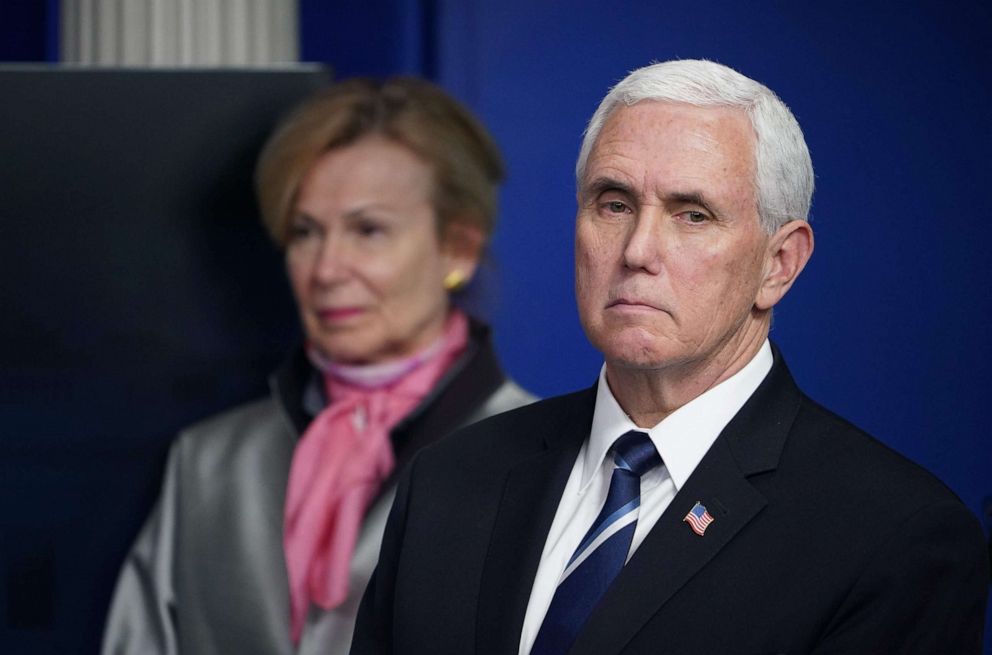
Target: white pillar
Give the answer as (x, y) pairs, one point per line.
(177, 33)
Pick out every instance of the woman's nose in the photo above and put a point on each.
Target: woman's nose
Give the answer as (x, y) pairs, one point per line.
(332, 261)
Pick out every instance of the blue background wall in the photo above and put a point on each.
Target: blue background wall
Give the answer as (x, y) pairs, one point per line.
(888, 325)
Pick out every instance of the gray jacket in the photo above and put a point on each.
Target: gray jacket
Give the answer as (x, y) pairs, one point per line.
(207, 573)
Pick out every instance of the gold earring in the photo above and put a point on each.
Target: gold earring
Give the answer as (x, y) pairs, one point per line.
(454, 280)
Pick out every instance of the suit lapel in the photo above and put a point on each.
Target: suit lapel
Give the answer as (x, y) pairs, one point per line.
(531, 492)
(672, 553)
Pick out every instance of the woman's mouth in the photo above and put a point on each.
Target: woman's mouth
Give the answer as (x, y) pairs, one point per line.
(335, 314)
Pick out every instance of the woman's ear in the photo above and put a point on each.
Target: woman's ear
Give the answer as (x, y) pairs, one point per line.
(461, 248)
(788, 251)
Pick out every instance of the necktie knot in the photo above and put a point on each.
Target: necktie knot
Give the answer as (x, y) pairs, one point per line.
(635, 452)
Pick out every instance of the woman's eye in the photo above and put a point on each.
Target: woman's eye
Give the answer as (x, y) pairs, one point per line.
(369, 229)
(298, 231)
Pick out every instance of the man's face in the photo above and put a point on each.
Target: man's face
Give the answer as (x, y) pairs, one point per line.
(669, 253)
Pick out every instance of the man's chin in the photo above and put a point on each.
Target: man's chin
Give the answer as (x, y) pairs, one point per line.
(637, 348)
(637, 363)
(639, 358)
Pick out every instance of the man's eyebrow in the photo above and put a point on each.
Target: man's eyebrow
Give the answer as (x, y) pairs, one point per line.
(599, 185)
(687, 198)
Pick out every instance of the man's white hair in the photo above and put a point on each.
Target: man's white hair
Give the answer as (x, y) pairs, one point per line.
(784, 170)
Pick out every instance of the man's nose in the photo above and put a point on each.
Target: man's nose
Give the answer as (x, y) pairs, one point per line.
(645, 241)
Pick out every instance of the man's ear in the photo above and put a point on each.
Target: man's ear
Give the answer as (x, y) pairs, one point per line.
(788, 251)
(461, 248)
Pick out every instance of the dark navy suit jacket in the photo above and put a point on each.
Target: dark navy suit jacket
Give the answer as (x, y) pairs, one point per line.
(824, 540)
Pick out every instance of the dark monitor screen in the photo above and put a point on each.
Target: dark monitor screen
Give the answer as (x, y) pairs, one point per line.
(139, 293)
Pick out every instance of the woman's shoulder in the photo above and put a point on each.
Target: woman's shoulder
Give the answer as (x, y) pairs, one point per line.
(507, 396)
(252, 431)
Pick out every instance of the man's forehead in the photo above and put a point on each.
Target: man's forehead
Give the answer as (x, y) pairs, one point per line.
(640, 118)
(649, 131)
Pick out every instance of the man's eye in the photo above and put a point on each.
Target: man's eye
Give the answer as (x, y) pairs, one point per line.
(616, 207)
(696, 217)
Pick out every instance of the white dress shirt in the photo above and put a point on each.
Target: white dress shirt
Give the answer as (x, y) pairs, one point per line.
(682, 439)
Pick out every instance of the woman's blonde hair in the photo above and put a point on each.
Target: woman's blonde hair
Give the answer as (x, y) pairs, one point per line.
(410, 112)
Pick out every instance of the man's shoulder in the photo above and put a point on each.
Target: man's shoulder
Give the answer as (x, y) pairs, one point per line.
(541, 415)
(543, 411)
(520, 430)
(863, 468)
(824, 455)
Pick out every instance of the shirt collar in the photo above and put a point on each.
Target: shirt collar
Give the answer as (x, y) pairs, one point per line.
(685, 435)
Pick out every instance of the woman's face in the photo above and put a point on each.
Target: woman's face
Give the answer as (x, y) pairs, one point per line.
(363, 255)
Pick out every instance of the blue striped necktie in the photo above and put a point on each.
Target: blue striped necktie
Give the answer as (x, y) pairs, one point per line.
(603, 550)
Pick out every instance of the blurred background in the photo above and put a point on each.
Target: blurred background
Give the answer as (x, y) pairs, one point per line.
(139, 292)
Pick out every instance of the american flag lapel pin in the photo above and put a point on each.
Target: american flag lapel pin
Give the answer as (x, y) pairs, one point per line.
(698, 518)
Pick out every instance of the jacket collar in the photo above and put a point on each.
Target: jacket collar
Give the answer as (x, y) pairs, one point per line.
(474, 377)
(756, 435)
(292, 386)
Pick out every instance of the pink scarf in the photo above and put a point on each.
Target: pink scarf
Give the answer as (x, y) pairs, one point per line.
(341, 461)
